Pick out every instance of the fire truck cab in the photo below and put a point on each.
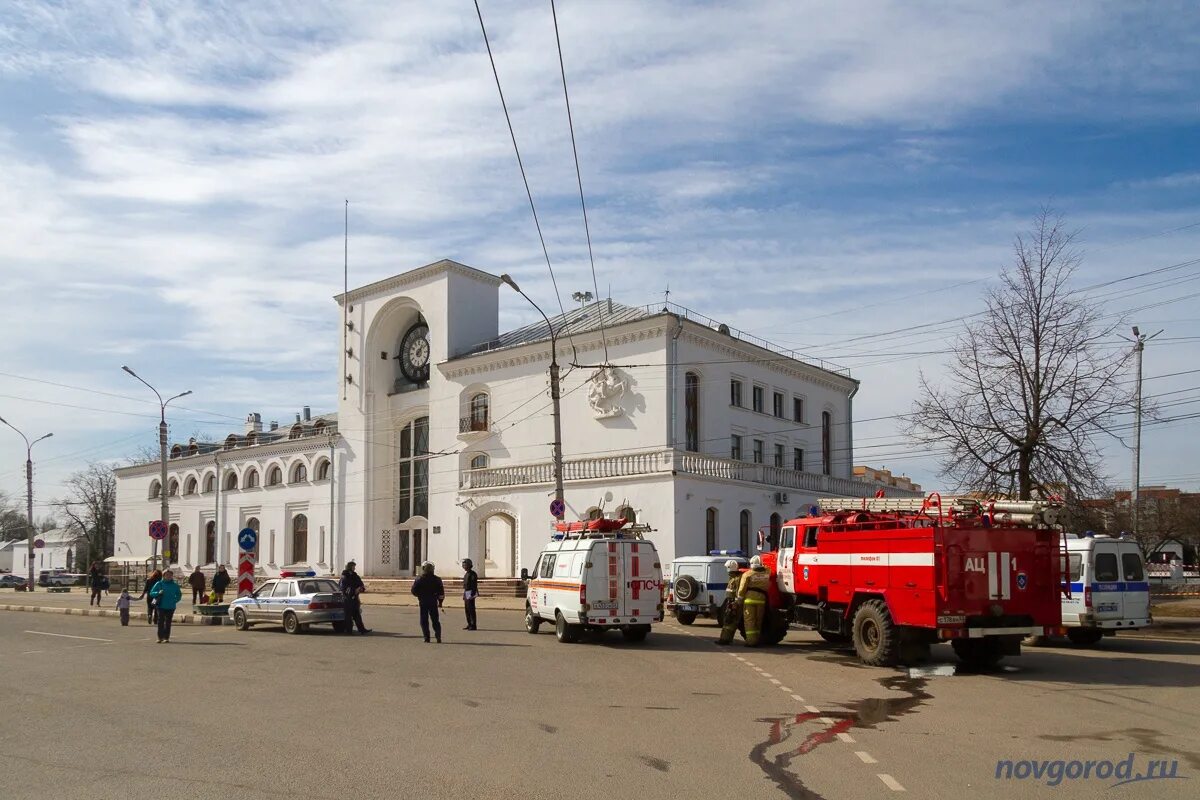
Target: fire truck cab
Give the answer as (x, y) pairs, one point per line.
(893, 576)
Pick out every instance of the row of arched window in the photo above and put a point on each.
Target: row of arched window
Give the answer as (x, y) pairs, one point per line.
(250, 480)
(746, 530)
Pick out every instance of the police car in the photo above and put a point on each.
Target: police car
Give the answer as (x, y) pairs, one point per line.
(696, 585)
(1109, 588)
(294, 600)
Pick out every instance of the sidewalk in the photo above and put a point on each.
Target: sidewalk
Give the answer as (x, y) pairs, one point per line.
(76, 603)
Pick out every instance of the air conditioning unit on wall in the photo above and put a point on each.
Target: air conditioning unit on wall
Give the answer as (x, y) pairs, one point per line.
(781, 498)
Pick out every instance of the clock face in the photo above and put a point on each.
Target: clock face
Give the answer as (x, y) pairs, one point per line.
(414, 353)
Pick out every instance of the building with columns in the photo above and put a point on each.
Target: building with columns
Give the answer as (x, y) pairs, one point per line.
(440, 448)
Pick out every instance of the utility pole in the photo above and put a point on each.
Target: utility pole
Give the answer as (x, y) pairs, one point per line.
(162, 460)
(1139, 345)
(217, 537)
(332, 508)
(28, 494)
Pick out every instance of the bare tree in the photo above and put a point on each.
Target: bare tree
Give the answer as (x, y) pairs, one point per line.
(13, 524)
(90, 507)
(1032, 385)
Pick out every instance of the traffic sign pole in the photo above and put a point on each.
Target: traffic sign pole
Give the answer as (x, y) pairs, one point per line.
(247, 538)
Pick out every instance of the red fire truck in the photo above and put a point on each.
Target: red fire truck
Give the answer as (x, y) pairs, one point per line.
(895, 575)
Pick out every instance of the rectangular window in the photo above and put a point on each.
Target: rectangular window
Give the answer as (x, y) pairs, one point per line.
(779, 456)
(758, 451)
(691, 403)
(798, 409)
(735, 447)
(1076, 570)
(1106, 568)
(735, 393)
(759, 397)
(798, 459)
(1132, 564)
(548, 566)
(826, 442)
(787, 537)
(777, 404)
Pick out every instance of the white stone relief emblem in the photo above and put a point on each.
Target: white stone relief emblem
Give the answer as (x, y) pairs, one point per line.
(605, 390)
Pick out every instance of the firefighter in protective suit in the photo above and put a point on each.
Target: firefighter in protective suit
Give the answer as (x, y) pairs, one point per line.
(752, 592)
(732, 607)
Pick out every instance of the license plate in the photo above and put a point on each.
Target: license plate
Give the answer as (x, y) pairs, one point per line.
(688, 607)
(604, 604)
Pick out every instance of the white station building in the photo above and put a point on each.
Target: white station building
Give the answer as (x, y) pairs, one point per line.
(442, 442)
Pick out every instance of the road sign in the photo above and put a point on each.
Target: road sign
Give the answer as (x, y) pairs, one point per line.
(247, 538)
(557, 508)
(246, 573)
(158, 530)
(39, 542)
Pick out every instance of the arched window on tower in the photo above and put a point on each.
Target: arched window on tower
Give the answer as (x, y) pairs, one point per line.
(412, 499)
(691, 403)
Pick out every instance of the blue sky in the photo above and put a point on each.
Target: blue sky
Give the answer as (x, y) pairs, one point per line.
(173, 186)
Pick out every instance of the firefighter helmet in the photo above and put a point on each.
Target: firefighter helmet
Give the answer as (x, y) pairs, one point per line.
(732, 566)
(756, 562)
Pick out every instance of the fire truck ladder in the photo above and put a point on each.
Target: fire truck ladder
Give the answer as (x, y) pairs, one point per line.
(1014, 512)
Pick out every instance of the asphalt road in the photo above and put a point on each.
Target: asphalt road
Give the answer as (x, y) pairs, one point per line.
(93, 710)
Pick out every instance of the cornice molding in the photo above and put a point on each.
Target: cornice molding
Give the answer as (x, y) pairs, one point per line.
(784, 365)
(237, 457)
(417, 275)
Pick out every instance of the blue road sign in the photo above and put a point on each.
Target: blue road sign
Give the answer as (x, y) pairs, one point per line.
(557, 508)
(158, 529)
(247, 538)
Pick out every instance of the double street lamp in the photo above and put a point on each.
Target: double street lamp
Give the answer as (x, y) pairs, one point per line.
(162, 458)
(28, 491)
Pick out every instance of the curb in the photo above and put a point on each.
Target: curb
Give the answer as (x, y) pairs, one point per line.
(180, 619)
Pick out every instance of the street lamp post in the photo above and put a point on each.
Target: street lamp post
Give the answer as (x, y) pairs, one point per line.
(162, 458)
(1139, 345)
(28, 492)
(555, 394)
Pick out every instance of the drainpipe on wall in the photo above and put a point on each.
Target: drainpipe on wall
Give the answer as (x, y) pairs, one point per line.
(672, 358)
(850, 430)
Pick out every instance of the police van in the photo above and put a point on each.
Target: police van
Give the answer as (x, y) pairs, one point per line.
(1109, 588)
(595, 576)
(696, 585)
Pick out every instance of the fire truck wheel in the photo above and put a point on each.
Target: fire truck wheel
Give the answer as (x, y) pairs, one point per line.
(834, 638)
(774, 628)
(875, 638)
(567, 634)
(977, 653)
(685, 617)
(1084, 637)
(532, 621)
(686, 588)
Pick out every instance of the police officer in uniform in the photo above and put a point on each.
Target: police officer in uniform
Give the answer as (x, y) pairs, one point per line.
(732, 607)
(752, 591)
(352, 586)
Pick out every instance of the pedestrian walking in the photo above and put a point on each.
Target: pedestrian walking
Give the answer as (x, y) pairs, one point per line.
(123, 601)
(470, 592)
(197, 582)
(219, 584)
(151, 580)
(96, 582)
(167, 595)
(430, 593)
(733, 607)
(352, 587)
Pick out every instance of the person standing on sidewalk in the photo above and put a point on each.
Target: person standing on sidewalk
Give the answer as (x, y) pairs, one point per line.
(220, 584)
(352, 586)
(470, 592)
(151, 580)
(430, 593)
(197, 582)
(167, 595)
(96, 582)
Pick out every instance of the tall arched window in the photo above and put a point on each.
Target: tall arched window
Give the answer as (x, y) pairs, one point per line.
(231, 481)
(479, 412)
(210, 542)
(274, 476)
(172, 488)
(171, 548)
(710, 530)
(745, 525)
(322, 473)
(412, 497)
(251, 481)
(189, 487)
(691, 404)
(155, 490)
(253, 524)
(826, 442)
(299, 473)
(210, 482)
(299, 538)
(776, 524)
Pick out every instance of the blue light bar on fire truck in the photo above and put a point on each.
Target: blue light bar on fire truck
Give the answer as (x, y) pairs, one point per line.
(297, 573)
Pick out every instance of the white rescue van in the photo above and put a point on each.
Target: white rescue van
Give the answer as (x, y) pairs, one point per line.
(595, 581)
(1109, 588)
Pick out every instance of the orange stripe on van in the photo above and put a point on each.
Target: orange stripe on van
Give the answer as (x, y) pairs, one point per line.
(554, 585)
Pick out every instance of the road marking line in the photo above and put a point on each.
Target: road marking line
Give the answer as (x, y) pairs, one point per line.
(30, 652)
(765, 674)
(890, 782)
(739, 658)
(69, 636)
(786, 689)
(865, 757)
(845, 737)
(776, 681)
(798, 698)
(812, 709)
(825, 721)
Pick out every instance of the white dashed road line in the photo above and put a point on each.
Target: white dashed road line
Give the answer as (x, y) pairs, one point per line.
(69, 636)
(865, 757)
(845, 737)
(890, 782)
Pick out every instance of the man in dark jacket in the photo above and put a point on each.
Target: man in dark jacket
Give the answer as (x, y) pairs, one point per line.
(352, 586)
(197, 582)
(220, 584)
(430, 593)
(470, 592)
(96, 582)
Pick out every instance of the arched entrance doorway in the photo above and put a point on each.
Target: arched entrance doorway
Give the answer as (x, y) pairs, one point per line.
(210, 542)
(299, 539)
(498, 533)
(171, 550)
